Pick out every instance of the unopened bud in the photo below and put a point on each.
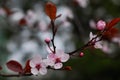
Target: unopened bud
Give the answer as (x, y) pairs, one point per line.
(68, 68)
(47, 40)
(81, 54)
(101, 25)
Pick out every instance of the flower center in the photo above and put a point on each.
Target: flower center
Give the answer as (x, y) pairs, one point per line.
(38, 66)
(57, 60)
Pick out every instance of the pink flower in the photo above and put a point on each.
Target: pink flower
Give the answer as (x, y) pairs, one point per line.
(55, 60)
(38, 66)
(101, 25)
(97, 44)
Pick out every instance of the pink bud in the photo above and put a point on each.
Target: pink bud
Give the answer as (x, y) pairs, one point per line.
(47, 40)
(81, 54)
(101, 25)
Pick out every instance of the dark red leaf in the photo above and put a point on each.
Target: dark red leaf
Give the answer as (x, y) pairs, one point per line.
(68, 68)
(27, 68)
(50, 10)
(113, 23)
(110, 33)
(14, 66)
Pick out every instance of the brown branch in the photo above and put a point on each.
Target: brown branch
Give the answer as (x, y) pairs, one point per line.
(89, 43)
(27, 74)
(15, 75)
(53, 37)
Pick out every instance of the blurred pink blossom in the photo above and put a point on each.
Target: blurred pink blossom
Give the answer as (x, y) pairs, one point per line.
(38, 66)
(55, 59)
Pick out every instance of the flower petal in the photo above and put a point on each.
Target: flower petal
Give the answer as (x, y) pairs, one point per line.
(32, 64)
(98, 45)
(65, 57)
(36, 60)
(43, 64)
(51, 56)
(58, 65)
(43, 71)
(59, 53)
(49, 62)
(91, 35)
(34, 71)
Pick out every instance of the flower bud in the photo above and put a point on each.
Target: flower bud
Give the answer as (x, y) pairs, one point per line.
(81, 54)
(100, 25)
(68, 68)
(47, 40)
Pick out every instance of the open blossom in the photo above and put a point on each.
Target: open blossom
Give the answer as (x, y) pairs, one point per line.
(55, 60)
(100, 25)
(38, 66)
(97, 44)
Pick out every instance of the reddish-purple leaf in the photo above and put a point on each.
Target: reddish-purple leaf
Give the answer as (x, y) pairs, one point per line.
(113, 22)
(67, 68)
(14, 66)
(110, 33)
(27, 68)
(51, 10)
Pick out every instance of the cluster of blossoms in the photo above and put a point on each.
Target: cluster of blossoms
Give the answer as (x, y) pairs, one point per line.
(107, 33)
(54, 60)
(56, 57)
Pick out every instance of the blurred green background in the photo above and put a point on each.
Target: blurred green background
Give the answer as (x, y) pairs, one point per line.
(24, 26)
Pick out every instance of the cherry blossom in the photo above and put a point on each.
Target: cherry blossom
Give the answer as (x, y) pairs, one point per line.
(38, 66)
(100, 25)
(55, 59)
(97, 44)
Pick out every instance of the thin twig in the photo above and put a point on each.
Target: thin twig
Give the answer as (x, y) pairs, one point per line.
(53, 37)
(89, 43)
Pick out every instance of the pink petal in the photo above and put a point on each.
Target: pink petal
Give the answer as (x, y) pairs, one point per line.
(49, 62)
(43, 64)
(58, 65)
(36, 60)
(91, 35)
(65, 57)
(32, 64)
(43, 71)
(59, 53)
(51, 56)
(98, 45)
(34, 71)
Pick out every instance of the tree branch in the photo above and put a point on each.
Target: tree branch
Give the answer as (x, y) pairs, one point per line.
(15, 75)
(53, 37)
